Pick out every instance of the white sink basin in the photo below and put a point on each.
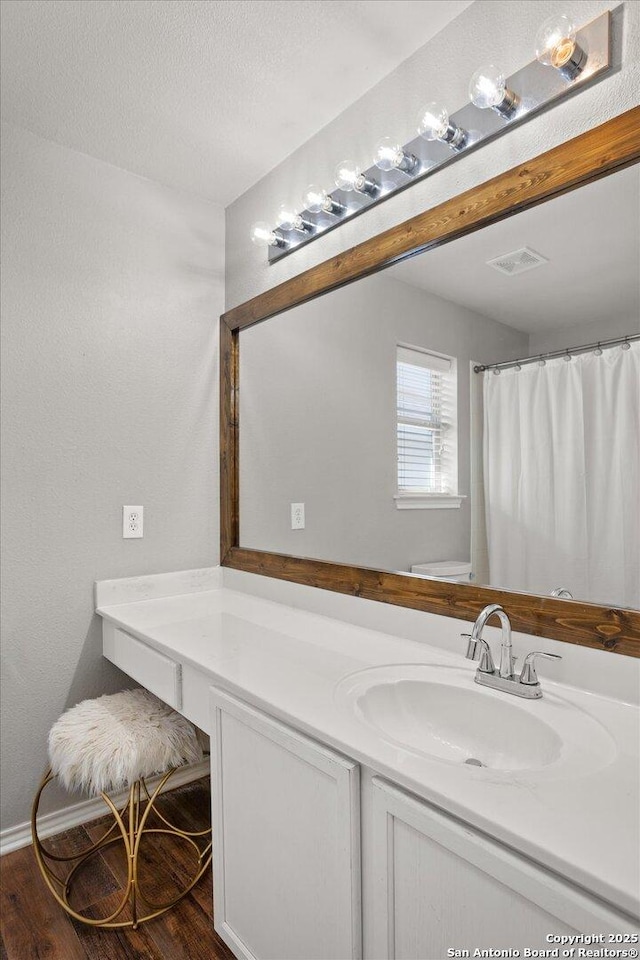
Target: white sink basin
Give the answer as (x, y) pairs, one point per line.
(439, 712)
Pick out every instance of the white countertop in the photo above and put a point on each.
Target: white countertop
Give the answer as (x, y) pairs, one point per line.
(288, 662)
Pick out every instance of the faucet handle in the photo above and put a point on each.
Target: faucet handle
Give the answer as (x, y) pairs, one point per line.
(528, 674)
(486, 664)
(472, 646)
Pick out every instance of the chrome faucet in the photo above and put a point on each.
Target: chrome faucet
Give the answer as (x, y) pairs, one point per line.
(527, 684)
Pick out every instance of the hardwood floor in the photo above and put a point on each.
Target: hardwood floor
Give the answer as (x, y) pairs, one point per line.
(34, 927)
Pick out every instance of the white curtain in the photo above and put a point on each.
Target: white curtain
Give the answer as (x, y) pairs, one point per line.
(562, 477)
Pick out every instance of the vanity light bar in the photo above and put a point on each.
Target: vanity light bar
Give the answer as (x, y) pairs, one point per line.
(566, 60)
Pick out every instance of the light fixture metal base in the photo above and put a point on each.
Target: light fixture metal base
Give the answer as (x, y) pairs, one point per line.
(575, 64)
(508, 105)
(536, 87)
(409, 163)
(454, 136)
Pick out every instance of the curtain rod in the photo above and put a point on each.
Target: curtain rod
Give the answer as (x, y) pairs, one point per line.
(568, 352)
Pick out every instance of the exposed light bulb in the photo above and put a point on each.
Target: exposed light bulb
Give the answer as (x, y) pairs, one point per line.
(263, 235)
(434, 121)
(435, 124)
(556, 46)
(349, 177)
(488, 89)
(389, 155)
(288, 219)
(315, 199)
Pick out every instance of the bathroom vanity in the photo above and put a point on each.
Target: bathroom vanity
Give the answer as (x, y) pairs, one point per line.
(369, 799)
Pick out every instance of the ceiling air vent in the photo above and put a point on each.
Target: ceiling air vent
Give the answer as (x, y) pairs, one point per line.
(517, 262)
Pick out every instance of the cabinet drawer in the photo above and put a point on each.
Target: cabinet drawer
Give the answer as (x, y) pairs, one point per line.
(158, 673)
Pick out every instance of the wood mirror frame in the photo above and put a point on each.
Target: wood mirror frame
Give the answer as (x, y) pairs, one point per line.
(601, 151)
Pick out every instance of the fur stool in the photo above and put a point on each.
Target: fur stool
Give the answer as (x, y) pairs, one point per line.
(103, 746)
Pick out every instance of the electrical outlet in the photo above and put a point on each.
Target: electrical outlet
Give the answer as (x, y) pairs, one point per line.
(297, 516)
(132, 522)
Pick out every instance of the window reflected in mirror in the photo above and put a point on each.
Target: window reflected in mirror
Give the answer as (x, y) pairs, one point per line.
(427, 450)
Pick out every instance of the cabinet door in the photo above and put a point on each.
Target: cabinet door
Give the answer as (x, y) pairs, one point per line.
(286, 841)
(437, 885)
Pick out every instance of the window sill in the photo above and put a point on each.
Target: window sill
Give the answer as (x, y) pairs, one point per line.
(428, 501)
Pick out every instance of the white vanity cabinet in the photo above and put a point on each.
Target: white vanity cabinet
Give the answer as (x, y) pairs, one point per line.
(288, 832)
(286, 829)
(431, 884)
(318, 858)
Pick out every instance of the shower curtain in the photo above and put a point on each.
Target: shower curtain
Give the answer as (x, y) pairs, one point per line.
(562, 478)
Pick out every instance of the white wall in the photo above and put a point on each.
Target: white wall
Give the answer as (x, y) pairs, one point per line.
(582, 333)
(112, 289)
(318, 415)
(498, 31)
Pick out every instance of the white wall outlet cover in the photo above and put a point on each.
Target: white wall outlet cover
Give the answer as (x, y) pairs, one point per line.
(297, 516)
(132, 522)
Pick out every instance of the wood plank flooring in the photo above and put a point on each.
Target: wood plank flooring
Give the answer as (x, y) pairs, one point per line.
(34, 927)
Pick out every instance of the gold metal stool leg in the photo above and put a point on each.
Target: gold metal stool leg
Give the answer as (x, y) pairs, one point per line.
(128, 828)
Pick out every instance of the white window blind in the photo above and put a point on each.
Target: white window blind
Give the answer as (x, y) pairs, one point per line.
(427, 423)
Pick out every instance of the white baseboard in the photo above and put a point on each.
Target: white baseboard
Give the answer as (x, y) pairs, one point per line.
(13, 838)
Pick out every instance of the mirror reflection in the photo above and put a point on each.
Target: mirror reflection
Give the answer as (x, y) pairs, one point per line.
(369, 437)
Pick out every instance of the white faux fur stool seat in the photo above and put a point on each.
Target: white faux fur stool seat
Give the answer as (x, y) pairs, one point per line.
(102, 746)
(105, 744)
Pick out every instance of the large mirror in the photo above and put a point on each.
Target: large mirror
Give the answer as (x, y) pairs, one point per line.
(368, 438)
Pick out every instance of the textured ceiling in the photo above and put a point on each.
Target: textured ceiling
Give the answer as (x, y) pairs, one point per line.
(203, 95)
(591, 238)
